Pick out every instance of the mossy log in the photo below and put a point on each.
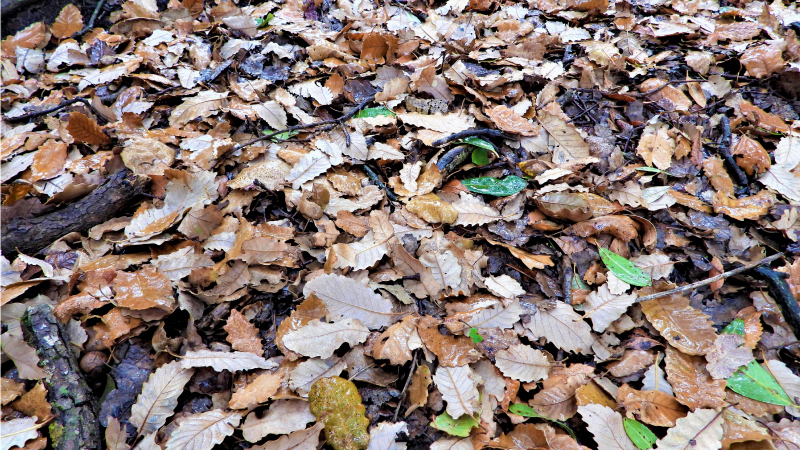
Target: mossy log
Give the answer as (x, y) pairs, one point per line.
(75, 426)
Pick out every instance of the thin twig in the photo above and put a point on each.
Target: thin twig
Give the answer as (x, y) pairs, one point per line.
(92, 20)
(405, 388)
(44, 112)
(708, 281)
(725, 151)
(342, 119)
(585, 111)
(471, 133)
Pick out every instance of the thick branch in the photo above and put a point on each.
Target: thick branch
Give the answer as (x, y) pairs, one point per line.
(76, 426)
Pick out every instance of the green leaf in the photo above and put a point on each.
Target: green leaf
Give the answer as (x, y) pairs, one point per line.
(374, 112)
(523, 410)
(641, 436)
(480, 156)
(478, 142)
(754, 382)
(735, 327)
(265, 21)
(281, 136)
(489, 185)
(624, 269)
(475, 335)
(455, 427)
(651, 169)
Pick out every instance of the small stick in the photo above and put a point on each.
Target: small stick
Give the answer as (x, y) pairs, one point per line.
(708, 281)
(44, 112)
(470, 133)
(92, 20)
(725, 151)
(405, 388)
(342, 119)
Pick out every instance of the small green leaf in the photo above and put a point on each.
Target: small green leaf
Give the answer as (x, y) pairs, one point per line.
(281, 136)
(651, 169)
(480, 156)
(455, 427)
(475, 335)
(624, 269)
(265, 21)
(641, 436)
(735, 327)
(489, 185)
(478, 142)
(754, 382)
(374, 112)
(523, 410)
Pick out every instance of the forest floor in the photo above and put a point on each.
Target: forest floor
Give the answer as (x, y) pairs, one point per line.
(357, 224)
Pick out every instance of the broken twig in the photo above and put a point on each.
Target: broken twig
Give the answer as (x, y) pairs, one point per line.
(708, 281)
(470, 133)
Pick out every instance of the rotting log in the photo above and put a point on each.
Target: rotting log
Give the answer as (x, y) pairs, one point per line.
(75, 426)
(30, 235)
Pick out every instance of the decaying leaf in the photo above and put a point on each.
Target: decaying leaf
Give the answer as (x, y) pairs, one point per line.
(282, 417)
(259, 391)
(685, 328)
(219, 361)
(242, 335)
(346, 298)
(320, 339)
(159, 397)
(606, 426)
(691, 382)
(203, 431)
(651, 407)
(523, 363)
(557, 400)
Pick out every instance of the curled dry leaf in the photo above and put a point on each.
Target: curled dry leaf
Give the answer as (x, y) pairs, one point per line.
(398, 341)
(751, 156)
(651, 407)
(632, 361)
(753, 207)
(452, 351)
(243, 335)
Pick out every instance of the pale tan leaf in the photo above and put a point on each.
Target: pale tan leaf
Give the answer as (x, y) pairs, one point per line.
(68, 22)
(159, 397)
(307, 439)
(147, 156)
(306, 373)
(504, 286)
(243, 335)
(395, 343)
(700, 430)
(263, 250)
(203, 431)
(458, 389)
(447, 123)
(362, 254)
(655, 380)
(444, 266)
(564, 139)
(24, 356)
(788, 381)
(495, 316)
(383, 436)
(473, 211)
(148, 443)
(282, 417)
(312, 89)
(563, 327)
(85, 129)
(782, 181)
(219, 361)
(270, 174)
(203, 104)
(272, 113)
(606, 426)
(310, 166)
(432, 209)
(18, 431)
(684, 327)
(523, 363)
(603, 307)
(510, 121)
(320, 339)
(181, 263)
(728, 354)
(347, 298)
(557, 399)
(116, 435)
(257, 392)
(453, 444)
(657, 265)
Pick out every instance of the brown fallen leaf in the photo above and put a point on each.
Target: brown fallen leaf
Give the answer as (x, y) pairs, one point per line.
(395, 344)
(621, 227)
(68, 22)
(718, 175)
(669, 98)
(259, 391)
(418, 389)
(738, 428)
(243, 335)
(85, 129)
(432, 209)
(311, 308)
(729, 353)
(632, 361)
(753, 207)
(143, 289)
(763, 119)
(762, 60)
(691, 382)
(556, 400)
(48, 162)
(10, 390)
(656, 147)
(591, 393)
(452, 351)
(508, 120)
(684, 327)
(34, 402)
(751, 156)
(651, 407)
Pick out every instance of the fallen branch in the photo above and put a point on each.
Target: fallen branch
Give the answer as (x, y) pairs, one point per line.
(308, 126)
(76, 425)
(708, 281)
(30, 235)
(470, 133)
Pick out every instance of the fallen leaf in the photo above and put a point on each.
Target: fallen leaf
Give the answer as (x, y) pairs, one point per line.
(320, 339)
(452, 351)
(621, 227)
(751, 156)
(563, 327)
(729, 353)
(85, 129)
(718, 175)
(523, 363)
(17, 432)
(159, 397)
(556, 400)
(346, 298)
(603, 307)
(762, 60)
(753, 207)
(282, 417)
(606, 426)
(458, 389)
(418, 389)
(307, 439)
(219, 361)
(395, 344)
(691, 382)
(510, 121)
(432, 209)
(259, 391)
(656, 147)
(34, 402)
(700, 429)
(651, 407)
(567, 143)
(68, 22)
(684, 327)
(203, 431)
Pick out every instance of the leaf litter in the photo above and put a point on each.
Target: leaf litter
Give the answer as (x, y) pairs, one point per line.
(448, 211)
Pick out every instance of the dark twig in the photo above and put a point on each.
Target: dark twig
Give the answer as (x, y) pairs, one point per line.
(374, 177)
(585, 111)
(708, 281)
(405, 388)
(725, 151)
(92, 19)
(44, 112)
(342, 119)
(471, 133)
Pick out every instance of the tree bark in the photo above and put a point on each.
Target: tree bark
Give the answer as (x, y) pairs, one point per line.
(30, 235)
(75, 426)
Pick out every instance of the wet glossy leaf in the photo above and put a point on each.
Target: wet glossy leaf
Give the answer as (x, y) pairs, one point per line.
(480, 156)
(493, 186)
(754, 382)
(641, 436)
(624, 269)
(374, 112)
(478, 142)
(456, 427)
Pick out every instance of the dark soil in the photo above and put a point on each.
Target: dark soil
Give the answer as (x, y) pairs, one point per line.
(18, 14)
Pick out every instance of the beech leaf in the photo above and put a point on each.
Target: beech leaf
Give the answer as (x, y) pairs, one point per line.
(523, 363)
(607, 427)
(219, 361)
(203, 431)
(159, 397)
(699, 430)
(320, 339)
(458, 389)
(347, 298)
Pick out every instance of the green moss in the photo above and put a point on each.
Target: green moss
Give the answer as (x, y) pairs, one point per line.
(336, 402)
(56, 432)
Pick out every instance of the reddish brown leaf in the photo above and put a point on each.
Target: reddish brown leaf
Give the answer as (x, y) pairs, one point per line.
(68, 22)
(691, 382)
(85, 129)
(243, 335)
(651, 407)
(683, 326)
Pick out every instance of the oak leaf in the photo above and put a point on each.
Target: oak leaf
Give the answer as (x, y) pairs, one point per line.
(320, 339)
(203, 431)
(116, 435)
(346, 298)
(606, 426)
(458, 389)
(34, 402)
(282, 417)
(159, 397)
(684, 327)
(700, 430)
(651, 407)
